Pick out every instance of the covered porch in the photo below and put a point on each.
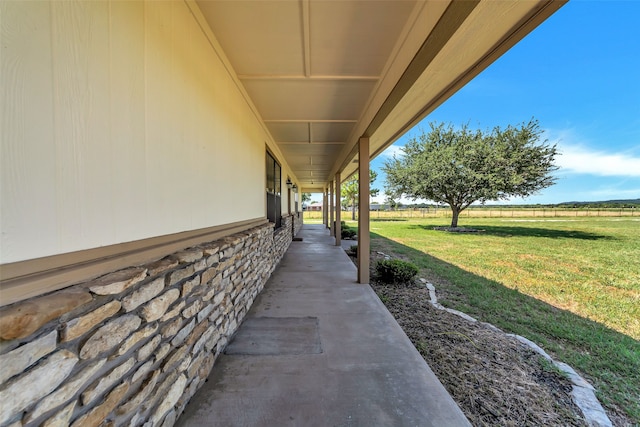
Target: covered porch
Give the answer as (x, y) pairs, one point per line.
(152, 158)
(318, 349)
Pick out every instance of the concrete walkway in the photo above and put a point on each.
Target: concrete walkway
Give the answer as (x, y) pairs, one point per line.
(318, 349)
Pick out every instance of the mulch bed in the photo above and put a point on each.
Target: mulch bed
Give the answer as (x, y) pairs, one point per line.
(496, 380)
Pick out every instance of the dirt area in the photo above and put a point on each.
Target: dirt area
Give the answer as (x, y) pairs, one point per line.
(495, 380)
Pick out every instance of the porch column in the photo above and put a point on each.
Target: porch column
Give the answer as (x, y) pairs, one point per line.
(331, 193)
(324, 207)
(338, 211)
(363, 211)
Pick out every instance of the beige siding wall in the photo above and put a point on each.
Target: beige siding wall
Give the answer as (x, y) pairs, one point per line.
(119, 122)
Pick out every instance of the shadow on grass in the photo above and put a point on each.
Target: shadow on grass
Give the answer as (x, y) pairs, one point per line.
(387, 219)
(609, 359)
(508, 231)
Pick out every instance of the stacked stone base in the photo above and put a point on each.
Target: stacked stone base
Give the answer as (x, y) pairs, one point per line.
(132, 347)
(297, 222)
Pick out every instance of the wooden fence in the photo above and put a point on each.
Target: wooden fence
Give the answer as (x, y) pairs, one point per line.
(492, 212)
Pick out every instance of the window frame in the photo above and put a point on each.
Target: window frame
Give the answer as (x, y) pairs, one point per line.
(273, 187)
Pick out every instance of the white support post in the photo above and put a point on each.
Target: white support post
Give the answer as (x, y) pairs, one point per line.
(364, 238)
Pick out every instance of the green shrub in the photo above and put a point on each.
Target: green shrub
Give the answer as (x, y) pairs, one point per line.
(395, 271)
(353, 250)
(348, 233)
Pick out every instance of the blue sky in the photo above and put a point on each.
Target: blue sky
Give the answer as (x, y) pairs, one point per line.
(578, 74)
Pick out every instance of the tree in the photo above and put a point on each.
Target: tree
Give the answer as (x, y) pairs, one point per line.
(349, 191)
(392, 196)
(460, 167)
(391, 202)
(306, 197)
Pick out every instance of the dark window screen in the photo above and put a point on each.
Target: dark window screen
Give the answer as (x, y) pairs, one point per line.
(274, 210)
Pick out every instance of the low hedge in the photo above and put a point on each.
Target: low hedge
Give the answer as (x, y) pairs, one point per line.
(395, 271)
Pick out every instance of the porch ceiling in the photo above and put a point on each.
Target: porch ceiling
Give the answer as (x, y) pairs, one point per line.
(322, 73)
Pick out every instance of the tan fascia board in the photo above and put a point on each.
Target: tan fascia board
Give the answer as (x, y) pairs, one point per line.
(217, 48)
(26, 279)
(538, 13)
(527, 23)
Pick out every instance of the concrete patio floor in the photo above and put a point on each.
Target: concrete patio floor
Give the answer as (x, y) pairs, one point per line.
(319, 349)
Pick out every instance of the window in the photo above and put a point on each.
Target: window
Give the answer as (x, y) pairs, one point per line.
(274, 210)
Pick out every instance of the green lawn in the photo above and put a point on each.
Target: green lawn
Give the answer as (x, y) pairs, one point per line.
(313, 220)
(570, 285)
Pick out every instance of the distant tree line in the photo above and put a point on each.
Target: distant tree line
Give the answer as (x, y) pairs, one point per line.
(613, 204)
(622, 204)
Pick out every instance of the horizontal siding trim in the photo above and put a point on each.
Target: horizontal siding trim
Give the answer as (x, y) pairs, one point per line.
(26, 279)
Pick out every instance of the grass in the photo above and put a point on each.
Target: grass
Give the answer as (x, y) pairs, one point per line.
(312, 217)
(572, 286)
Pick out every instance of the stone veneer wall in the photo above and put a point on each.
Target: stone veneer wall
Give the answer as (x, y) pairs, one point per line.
(297, 218)
(132, 347)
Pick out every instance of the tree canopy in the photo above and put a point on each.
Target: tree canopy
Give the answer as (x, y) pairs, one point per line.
(462, 166)
(349, 191)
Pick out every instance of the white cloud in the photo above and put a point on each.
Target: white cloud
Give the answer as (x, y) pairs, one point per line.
(392, 150)
(579, 159)
(576, 156)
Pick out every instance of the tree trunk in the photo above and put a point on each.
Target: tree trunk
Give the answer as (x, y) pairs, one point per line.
(353, 211)
(454, 217)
